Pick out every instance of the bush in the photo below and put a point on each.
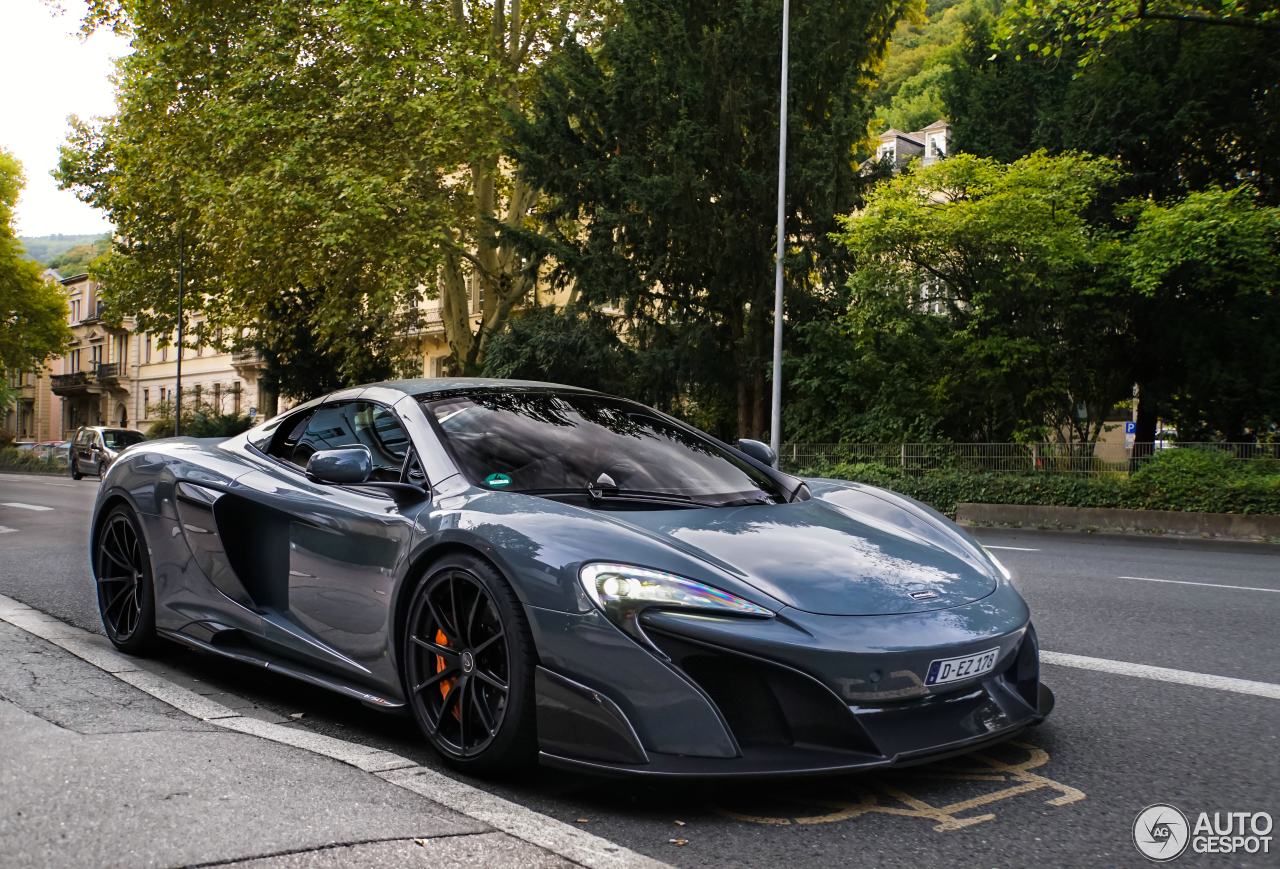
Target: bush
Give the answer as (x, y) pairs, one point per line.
(203, 422)
(1192, 480)
(27, 462)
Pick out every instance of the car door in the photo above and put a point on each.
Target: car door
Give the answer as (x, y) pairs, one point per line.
(80, 449)
(331, 553)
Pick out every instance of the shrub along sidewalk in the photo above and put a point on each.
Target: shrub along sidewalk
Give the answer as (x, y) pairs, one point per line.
(23, 462)
(1183, 480)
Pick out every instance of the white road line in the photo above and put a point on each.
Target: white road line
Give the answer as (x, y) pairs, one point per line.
(1164, 674)
(6, 530)
(21, 506)
(1013, 548)
(571, 843)
(1206, 584)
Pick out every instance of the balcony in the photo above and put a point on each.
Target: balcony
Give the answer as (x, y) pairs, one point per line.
(76, 383)
(107, 373)
(244, 361)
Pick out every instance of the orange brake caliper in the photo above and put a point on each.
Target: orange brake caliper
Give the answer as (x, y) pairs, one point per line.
(445, 684)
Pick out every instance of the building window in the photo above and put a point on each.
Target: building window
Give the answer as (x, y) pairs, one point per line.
(146, 402)
(73, 361)
(95, 356)
(146, 347)
(217, 397)
(235, 398)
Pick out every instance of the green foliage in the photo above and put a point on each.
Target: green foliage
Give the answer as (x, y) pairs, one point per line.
(998, 269)
(909, 88)
(44, 248)
(1164, 99)
(199, 421)
(575, 346)
(33, 312)
(1087, 28)
(320, 164)
(657, 153)
(78, 259)
(1207, 270)
(1177, 479)
(27, 462)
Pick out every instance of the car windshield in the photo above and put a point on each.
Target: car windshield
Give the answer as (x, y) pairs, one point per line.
(118, 440)
(548, 442)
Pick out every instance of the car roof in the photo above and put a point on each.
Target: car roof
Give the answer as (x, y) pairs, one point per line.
(109, 428)
(423, 386)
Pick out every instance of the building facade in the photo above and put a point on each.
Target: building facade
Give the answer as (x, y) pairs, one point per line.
(929, 145)
(116, 375)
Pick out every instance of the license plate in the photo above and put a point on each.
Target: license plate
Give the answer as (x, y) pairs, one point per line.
(946, 670)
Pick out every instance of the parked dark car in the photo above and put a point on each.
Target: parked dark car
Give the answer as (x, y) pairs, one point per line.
(95, 447)
(537, 571)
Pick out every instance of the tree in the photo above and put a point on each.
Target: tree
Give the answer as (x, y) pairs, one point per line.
(1052, 27)
(1207, 270)
(1002, 271)
(1160, 100)
(343, 155)
(657, 151)
(33, 311)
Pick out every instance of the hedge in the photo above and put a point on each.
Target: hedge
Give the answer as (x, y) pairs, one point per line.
(24, 462)
(1179, 479)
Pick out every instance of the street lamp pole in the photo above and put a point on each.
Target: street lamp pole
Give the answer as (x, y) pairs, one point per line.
(775, 411)
(182, 248)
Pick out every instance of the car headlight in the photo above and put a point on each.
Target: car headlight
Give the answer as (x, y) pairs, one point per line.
(622, 591)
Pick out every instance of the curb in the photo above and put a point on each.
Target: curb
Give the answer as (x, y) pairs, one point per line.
(1234, 527)
(557, 837)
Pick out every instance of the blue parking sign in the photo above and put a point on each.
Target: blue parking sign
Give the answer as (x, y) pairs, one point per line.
(1130, 428)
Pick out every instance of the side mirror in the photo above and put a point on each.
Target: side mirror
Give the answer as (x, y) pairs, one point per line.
(347, 466)
(761, 452)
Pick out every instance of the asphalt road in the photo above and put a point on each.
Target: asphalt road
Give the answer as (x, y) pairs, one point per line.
(1064, 794)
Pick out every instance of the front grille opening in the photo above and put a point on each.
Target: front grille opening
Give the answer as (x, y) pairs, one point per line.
(766, 705)
(1023, 675)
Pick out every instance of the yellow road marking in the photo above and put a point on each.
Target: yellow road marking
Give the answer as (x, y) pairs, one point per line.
(883, 798)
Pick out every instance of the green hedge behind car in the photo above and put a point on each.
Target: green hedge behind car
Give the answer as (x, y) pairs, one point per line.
(27, 462)
(1177, 479)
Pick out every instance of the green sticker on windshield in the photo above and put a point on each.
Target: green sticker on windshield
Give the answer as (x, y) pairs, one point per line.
(497, 481)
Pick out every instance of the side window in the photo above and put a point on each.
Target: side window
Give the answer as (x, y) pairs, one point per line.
(284, 437)
(355, 423)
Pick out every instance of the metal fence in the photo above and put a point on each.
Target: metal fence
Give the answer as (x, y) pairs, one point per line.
(1053, 458)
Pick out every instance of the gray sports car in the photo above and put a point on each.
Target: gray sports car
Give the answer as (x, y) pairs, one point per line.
(538, 571)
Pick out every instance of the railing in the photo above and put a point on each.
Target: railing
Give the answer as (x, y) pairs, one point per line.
(105, 371)
(68, 381)
(1053, 458)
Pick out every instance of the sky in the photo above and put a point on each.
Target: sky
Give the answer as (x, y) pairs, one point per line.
(50, 72)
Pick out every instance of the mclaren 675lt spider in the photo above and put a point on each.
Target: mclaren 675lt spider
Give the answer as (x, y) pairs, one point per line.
(538, 572)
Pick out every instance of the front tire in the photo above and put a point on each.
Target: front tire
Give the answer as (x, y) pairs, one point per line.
(467, 661)
(126, 593)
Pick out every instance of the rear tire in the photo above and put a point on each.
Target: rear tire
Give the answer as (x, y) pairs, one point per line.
(126, 592)
(467, 660)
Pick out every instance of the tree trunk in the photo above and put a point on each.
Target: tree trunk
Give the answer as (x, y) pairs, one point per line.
(1145, 431)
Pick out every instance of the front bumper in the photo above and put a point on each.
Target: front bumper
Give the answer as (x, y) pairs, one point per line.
(797, 695)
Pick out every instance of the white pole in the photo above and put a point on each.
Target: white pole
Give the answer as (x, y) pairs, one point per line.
(775, 413)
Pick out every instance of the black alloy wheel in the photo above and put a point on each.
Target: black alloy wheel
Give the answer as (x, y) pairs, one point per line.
(468, 666)
(122, 568)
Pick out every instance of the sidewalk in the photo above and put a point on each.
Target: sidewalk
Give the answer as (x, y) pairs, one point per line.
(95, 772)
